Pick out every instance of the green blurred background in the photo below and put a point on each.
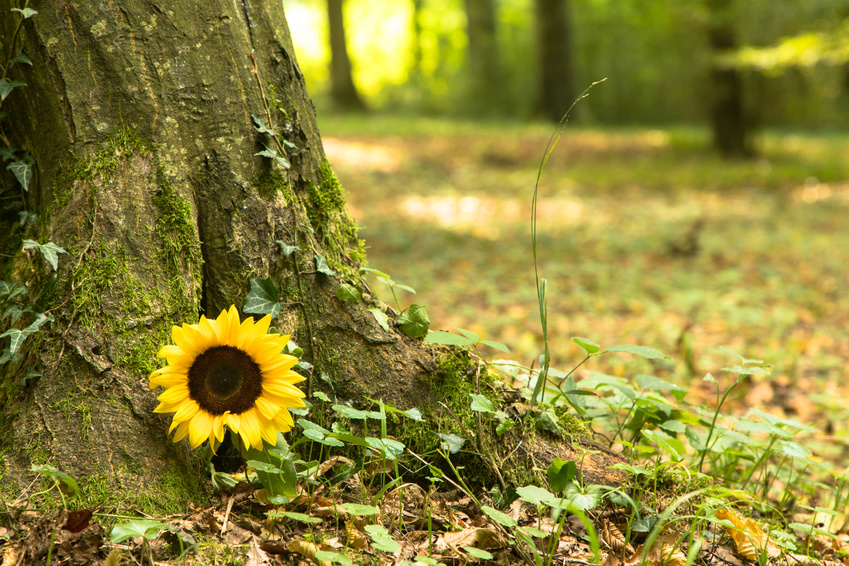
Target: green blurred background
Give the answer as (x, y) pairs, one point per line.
(698, 197)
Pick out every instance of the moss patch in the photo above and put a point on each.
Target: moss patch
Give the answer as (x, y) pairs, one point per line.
(336, 229)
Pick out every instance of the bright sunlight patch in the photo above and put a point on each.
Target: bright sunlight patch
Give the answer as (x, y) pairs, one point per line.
(221, 373)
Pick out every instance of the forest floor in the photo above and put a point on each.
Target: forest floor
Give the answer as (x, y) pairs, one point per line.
(645, 237)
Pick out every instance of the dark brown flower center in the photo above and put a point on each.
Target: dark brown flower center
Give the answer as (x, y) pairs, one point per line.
(223, 379)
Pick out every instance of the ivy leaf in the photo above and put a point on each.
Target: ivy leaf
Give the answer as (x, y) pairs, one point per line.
(322, 267)
(50, 251)
(20, 58)
(27, 12)
(7, 152)
(262, 126)
(7, 86)
(287, 249)
(380, 317)
(272, 153)
(263, 298)
(22, 171)
(348, 293)
(414, 321)
(27, 217)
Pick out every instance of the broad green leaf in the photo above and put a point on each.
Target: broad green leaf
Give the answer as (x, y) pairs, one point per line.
(583, 500)
(451, 441)
(385, 544)
(360, 510)
(309, 425)
(644, 351)
(481, 404)
(747, 371)
(380, 317)
(471, 336)
(263, 467)
(287, 249)
(7, 152)
(414, 321)
(504, 426)
(657, 384)
(496, 345)
(536, 495)
(7, 86)
(501, 518)
(333, 557)
(664, 443)
(478, 553)
(321, 395)
(59, 476)
(446, 338)
(322, 267)
(375, 271)
(560, 474)
(17, 338)
(793, 449)
(547, 421)
(348, 293)
(27, 12)
(263, 298)
(586, 344)
(350, 412)
(302, 517)
(136, 528)
(283, 480)
(389, 447)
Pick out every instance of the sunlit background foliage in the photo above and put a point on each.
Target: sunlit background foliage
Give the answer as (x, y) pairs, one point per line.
(654, 53)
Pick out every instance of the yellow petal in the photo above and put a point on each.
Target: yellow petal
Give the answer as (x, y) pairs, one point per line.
(168, 380)
(268, 432)
(200, 428)
(233, 327)
(283, 421)
(182, 431)
(186, 411)
(266, 408)
(251, 430)
(174, 394)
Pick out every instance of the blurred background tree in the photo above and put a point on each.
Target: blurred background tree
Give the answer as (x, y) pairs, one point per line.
(667, 61)
(343, 91)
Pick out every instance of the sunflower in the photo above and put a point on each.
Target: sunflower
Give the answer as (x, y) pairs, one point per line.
(221, 373)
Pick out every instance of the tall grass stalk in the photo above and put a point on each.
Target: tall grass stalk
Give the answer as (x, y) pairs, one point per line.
(542, 284)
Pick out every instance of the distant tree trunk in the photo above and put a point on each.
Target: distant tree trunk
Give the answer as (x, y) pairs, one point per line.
(728, 118)
(343, 91)
(483, 57)
(555, 89)
(416, 47)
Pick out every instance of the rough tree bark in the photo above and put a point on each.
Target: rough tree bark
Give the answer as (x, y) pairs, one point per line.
(143, 120)
(555, 92)
(139, 118)
(343, 90)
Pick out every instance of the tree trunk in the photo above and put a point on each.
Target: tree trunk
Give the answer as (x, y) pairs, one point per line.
(139, 119)
(483, 58)
(555, 92)
(343, 91)
(727, 112)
